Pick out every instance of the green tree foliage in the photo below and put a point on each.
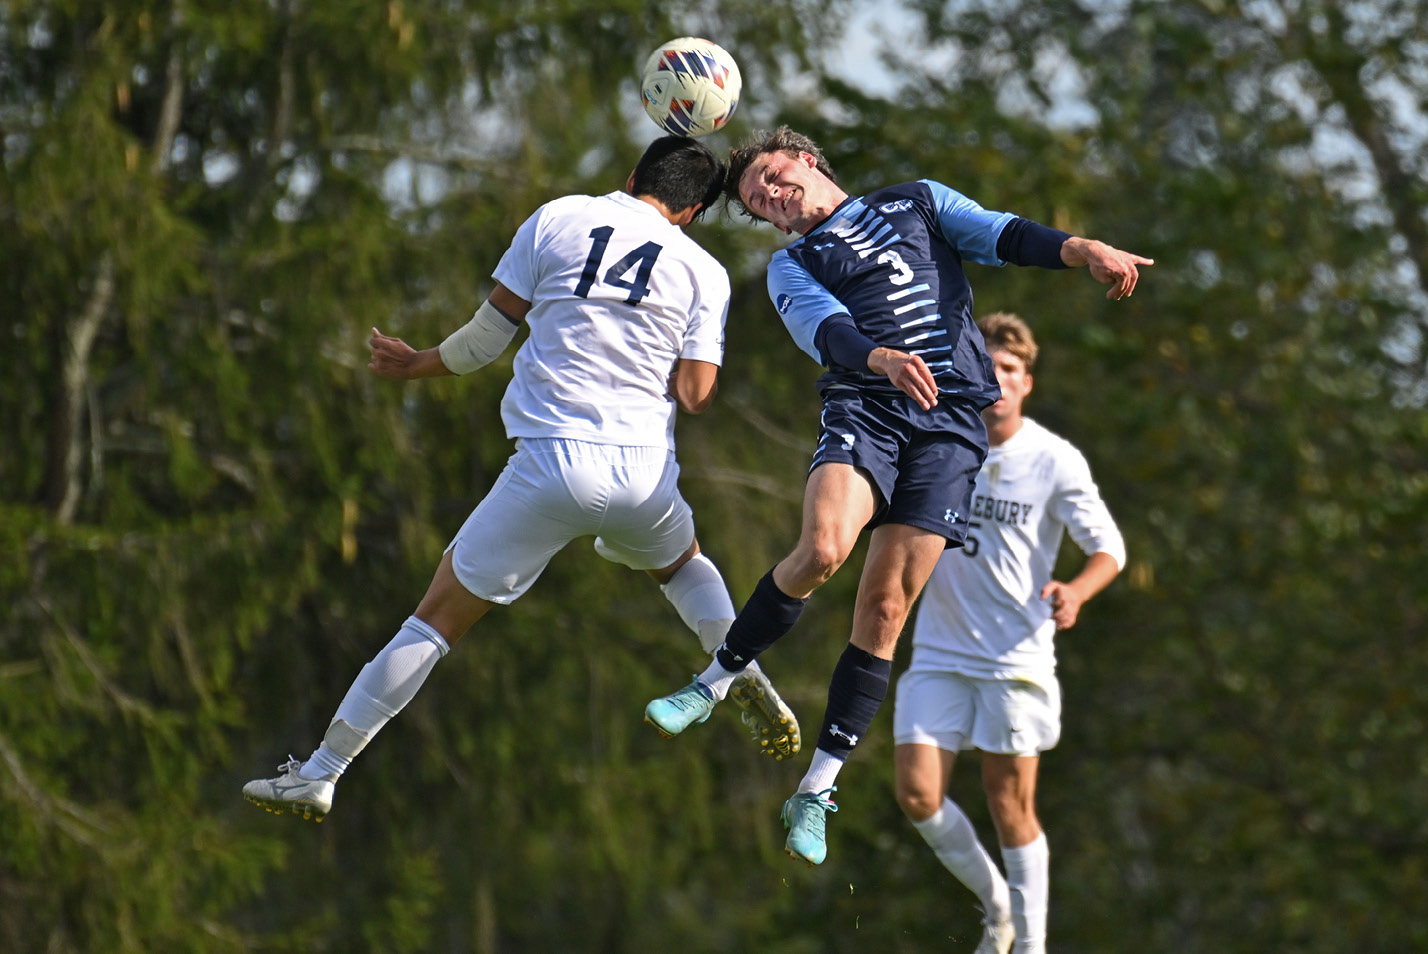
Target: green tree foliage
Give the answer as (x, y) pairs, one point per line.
(1244, 746)
(212, 516)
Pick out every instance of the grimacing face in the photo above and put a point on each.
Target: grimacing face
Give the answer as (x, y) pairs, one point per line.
(787, 191)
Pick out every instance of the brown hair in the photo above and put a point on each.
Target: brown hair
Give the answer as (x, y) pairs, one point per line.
(1007, 332)
(762, 142)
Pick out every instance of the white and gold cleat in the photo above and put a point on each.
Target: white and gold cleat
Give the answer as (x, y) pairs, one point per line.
(770, 720)
(290, 792)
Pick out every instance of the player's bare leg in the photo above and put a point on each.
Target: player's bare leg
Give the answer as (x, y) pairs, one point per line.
(900, 559)
(922, 772)
(1010, 783)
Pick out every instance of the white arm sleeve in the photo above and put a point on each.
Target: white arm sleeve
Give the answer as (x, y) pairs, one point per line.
(479, 341)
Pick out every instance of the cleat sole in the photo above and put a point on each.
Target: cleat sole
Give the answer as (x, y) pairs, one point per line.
(304, 812)
(769, 721)
(662, 734)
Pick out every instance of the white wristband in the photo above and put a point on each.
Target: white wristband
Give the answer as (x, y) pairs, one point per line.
(479, 341)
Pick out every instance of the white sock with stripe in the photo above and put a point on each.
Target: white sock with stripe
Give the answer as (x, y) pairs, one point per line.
(383, 687)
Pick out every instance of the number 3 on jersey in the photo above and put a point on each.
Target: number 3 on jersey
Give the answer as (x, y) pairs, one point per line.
(640, 261)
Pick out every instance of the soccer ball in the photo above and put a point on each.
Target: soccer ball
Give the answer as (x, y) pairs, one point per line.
(690, 86)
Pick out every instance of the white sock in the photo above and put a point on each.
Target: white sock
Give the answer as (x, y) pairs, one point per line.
(954, 841)
(1029, 878)
(717, 679)
(698, 593)
(821, 772)
(383, 687)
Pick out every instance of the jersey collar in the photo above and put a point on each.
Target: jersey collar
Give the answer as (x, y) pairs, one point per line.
(830, 216)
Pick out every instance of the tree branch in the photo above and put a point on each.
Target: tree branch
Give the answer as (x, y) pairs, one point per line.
(1342, 68)
(64, 482)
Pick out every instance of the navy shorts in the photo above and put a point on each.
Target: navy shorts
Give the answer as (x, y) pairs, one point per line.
(922, 463)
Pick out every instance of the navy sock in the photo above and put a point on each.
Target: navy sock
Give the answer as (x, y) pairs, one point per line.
(767, 615)
(858, 687)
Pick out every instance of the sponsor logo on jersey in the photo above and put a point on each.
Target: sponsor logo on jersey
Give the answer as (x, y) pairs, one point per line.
(783, 303)
(901, 205)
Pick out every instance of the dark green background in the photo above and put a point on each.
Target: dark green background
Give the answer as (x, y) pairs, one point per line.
(211, 515)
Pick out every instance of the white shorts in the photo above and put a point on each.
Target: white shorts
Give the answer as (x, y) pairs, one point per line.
(555, 490)
(955, 712)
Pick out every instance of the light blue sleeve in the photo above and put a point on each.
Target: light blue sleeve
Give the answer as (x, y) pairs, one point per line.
(802, 302)
(971, 229)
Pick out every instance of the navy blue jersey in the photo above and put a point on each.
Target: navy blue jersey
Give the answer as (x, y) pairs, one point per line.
(892, 261)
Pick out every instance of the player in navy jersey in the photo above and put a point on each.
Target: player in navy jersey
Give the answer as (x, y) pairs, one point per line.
(874, 290)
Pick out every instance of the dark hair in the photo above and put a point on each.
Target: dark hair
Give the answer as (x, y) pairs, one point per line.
(680, 172)
(1004, 331)
(760, 143)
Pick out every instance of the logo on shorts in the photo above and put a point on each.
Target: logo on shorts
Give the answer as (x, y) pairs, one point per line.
(782, 304)
(834, 730)
(848, 441)
(951, 515)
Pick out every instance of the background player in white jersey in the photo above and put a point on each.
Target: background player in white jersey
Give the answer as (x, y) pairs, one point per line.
(983, 669)
(626, 316)
(875, 290)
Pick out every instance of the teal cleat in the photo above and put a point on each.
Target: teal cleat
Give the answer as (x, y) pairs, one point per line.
(803, 817)
(672, 714)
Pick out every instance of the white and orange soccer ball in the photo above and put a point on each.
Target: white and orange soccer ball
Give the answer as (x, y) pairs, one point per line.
(690, 86)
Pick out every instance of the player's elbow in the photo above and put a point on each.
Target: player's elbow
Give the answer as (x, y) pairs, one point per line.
(694, 385)
(696, 403)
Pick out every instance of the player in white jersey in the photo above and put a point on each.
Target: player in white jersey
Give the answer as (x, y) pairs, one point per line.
(983, 669)
(626, 316)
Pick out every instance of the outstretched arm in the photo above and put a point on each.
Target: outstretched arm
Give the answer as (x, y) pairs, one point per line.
(394, 358)
(1109, 265)
(485, 336)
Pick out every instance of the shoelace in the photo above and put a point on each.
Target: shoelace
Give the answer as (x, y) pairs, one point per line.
(822, 799)
(291, 766)
(686, 697)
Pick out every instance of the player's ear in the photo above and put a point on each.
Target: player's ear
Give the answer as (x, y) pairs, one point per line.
(630, 183)
(687, 216)
(1028, 382)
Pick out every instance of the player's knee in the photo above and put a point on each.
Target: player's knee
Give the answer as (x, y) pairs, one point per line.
(1014, 815)
(818, 560)
(883, 613)
(917, 799)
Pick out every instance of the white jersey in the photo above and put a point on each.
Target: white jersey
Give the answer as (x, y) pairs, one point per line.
(982, 612)
(618, 295)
